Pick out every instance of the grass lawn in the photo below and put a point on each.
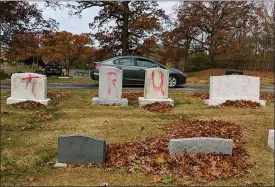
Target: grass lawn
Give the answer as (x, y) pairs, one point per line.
(203, 77)
(29, 142)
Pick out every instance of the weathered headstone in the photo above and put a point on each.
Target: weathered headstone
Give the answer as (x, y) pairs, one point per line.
(110, 87)
(234, 87)
(270, 141)
(73, 149)
(28, 86)
(156, 87)
(201, 145)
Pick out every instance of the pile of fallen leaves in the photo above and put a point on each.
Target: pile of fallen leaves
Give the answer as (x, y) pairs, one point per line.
(133, 96)
(267, 96)
(152, 155)
(54, 95)
(158, 107)
(29, 104)
(205, 95)
(241, 104)
(202, 95)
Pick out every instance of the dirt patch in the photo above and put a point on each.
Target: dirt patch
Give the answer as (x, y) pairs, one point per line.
(158, 107)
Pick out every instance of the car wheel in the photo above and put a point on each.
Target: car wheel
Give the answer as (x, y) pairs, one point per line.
(173, 81)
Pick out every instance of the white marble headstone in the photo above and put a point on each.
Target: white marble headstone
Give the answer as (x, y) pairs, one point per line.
(156, 83)
(234, 87)
(110, 83)
(28, 86)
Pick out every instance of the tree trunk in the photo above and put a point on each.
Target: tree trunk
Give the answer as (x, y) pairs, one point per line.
(125, 35)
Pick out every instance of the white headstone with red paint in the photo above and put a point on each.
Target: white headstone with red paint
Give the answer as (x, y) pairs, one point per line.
(156, 83)
(110, 87)
(28, 86)
(156, 87)
(234, 87)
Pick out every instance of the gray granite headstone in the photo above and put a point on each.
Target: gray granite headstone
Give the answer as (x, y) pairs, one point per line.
(74, 149)
(201, 145)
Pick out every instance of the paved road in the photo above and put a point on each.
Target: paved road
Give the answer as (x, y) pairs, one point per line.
(129, 87)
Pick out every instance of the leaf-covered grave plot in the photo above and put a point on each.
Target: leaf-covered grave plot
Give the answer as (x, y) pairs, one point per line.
(54, 95)
(29, 104)
(151, 155)
(241, 104)
(158, 107)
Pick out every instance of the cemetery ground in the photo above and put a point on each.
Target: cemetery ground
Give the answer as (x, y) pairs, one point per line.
(29, 139)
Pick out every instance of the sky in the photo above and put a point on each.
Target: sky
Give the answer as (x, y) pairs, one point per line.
(76, 25)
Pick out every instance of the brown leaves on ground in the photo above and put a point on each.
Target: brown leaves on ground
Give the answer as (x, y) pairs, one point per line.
(2, 168)
(158, 107)
(267, 96)
(205, 95)
(151, 155)
(54, 95)
(132, 96)
(241, 104)
(45, 116)
(202, 95)
(29, 104)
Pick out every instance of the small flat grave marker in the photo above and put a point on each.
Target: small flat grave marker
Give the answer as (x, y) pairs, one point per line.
(200, 145)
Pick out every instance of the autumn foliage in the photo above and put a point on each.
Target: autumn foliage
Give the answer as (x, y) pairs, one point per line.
(158, 107)
(29, 104)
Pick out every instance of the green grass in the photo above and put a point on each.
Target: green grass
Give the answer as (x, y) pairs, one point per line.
(25, 153)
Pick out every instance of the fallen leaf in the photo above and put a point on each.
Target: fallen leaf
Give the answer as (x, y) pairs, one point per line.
(2, 168)
(156, 178)
(160, 160)
(30, 179)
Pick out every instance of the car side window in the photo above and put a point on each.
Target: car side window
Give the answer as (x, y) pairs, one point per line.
(146, 63)
(124, 62)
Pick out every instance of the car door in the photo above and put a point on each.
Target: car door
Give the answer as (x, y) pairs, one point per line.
(127, 64)
(142, 65)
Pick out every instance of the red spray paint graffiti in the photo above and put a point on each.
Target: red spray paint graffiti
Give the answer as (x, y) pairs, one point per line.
(29, 79)
(112, 80)
(160, 87)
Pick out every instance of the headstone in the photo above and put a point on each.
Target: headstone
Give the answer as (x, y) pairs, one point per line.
(28, 86)
(73, 149)
(270, 141)
(234, 87)
(200, 145)
(110, 87)
(156, 87)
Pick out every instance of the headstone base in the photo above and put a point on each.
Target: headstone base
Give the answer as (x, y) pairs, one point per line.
(98, 101)
(11, 100)
(142, 101)
(270, 141)
(214, 102)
